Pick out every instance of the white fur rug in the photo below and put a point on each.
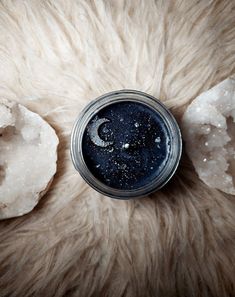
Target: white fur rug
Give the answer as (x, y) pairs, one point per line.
(55, 57)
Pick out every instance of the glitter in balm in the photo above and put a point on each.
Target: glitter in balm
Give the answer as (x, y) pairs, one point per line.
(126, 144)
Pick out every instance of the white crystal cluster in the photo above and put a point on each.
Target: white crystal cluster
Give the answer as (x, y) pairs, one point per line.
(209, 132)
(28, 156)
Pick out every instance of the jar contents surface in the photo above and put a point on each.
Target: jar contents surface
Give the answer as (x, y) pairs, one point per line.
(126, 145)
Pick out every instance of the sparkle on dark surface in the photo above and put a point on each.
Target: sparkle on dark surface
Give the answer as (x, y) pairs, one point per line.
(139, 149)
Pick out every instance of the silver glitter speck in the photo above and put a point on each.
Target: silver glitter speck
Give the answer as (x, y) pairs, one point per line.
(126, 145)
(158, 139)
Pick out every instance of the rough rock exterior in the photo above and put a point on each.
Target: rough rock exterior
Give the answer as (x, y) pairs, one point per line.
(209, 132)
(28, 155)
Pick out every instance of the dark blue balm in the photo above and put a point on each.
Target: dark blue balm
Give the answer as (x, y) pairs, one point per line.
(126, 144)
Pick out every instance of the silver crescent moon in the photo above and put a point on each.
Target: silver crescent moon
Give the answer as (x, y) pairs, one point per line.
(94, 135)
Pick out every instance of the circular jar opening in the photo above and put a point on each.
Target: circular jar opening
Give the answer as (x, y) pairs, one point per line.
(126, 144)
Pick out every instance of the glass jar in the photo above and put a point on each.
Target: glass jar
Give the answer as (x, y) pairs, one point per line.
(131, 160)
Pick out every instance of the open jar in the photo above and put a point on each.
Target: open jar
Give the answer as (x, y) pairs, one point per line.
(126, 144)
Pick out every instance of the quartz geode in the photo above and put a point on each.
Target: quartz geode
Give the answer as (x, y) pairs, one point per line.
(208, 127)
(28, 156)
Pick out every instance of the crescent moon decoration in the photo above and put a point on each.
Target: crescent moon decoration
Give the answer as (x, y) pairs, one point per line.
(94, 134)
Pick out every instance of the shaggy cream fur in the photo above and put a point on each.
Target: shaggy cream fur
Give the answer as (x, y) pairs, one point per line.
(55, 57)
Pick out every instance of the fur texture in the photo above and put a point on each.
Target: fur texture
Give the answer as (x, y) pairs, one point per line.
(55, 57)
